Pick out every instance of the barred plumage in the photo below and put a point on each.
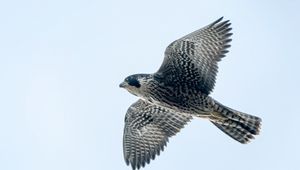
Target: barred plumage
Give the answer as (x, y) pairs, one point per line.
(147, 129)
(178, 91)
(240, 126)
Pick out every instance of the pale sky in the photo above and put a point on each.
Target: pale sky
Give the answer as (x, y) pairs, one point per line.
(61, 63)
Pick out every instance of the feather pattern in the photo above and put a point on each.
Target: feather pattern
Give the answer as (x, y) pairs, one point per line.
(146, 132)
(193, 58)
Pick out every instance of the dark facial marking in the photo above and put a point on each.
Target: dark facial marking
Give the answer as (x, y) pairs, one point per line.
(132, 81)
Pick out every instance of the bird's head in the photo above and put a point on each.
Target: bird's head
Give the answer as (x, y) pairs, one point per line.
(136, 84)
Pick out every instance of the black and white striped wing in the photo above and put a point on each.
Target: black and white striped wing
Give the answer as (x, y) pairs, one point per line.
(191, 61)
(146, 132)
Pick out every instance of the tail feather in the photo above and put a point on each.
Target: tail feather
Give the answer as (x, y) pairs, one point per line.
(237, 134)
(240, 126)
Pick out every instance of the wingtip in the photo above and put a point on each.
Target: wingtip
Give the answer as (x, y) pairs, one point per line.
(219, 20)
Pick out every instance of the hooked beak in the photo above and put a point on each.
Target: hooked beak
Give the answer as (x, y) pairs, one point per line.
(123, 84)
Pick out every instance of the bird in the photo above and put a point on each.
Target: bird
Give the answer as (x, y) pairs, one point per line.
(179, 92)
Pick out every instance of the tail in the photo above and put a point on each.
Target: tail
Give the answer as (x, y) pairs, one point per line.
(240, 126)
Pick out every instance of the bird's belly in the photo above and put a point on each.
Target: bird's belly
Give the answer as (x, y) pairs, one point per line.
(198, 105)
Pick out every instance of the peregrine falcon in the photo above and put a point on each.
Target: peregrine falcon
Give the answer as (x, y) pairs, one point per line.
(178, 92)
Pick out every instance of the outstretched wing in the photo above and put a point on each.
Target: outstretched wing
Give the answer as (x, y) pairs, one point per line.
(191, 61)
(146, 132)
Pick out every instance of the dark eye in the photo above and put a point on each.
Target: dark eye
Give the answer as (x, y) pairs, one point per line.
(134, 82)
